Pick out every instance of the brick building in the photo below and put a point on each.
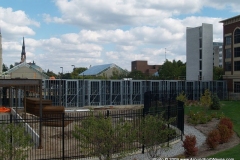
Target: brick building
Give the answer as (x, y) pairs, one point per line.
(231, 53)
(143, 66)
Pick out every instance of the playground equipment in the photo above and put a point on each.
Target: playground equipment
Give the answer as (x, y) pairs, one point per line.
(5, 109)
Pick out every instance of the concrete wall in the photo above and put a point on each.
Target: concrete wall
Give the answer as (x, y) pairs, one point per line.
(192, 49)
(194, 37)
(207, 52)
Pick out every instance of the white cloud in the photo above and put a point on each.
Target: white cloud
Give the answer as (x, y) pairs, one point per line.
(16, 23)
(110, 31)
(115, 13)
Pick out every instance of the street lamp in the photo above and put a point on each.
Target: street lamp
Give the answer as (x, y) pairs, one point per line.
(62, 72)
(73, 67)
(60, 87)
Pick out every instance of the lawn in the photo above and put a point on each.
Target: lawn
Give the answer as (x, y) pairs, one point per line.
(230, 109)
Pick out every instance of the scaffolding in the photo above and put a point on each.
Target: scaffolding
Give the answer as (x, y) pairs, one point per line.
(85, 92)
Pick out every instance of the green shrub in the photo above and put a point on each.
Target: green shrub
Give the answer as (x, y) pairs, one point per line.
(14, 142)
(156, 133)
(198, 118)
(182, 97)
(100, 136)
(206, 99)
(215, 102)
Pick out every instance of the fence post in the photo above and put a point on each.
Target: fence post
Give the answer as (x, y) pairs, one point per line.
(147, 102)
(11, 141)
(147, 105)
(143, 117)
(180, 117)
(62, 135)
(168, 117)
(108, 155)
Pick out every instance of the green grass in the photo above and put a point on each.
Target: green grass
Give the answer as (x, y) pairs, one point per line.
(230, 109)
(230, 153)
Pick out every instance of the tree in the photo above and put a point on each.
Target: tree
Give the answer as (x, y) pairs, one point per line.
(51, 73)
(155, 133)
(100, 136)
(11, 66)
(4, 67)
(136, 75)
(218, 72)
(14, 142)
(77, 71)
(119, 74)
(172, 70)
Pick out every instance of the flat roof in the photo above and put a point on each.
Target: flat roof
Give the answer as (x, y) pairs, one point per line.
(20, 82)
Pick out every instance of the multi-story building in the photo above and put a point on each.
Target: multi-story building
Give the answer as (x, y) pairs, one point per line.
(217, 54)
(231, 53)
(143, 66)
(199, 48)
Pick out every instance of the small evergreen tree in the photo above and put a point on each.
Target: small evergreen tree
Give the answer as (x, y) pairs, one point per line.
(206, 99)
(215, 102)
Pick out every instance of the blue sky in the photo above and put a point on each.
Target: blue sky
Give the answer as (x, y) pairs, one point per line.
(62, 33)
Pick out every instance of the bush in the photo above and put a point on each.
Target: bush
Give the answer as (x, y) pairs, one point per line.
(217, 115)
(213, 138)
(198, 118)
(100, 136)
(226, 121)
(215, 102)
(156, 133)
(206, 99)
(182, 97)
(225, 133)
(14, 142)
(189, 145)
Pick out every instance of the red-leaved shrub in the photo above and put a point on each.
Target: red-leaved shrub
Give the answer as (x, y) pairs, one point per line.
(213, 138)
(189, 145)
(227, 121)
(225, 133)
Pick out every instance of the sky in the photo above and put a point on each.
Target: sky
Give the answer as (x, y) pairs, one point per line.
(85, 33)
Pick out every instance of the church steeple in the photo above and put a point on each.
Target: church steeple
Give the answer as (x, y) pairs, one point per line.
(23, 54)
(0, 52)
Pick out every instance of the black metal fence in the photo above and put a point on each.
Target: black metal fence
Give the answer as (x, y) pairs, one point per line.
(52, 136)
(154, 102)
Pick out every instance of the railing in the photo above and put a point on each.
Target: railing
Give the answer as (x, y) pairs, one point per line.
(56, 139)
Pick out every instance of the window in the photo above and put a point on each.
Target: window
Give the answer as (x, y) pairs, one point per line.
(236, 87)
(228, 40)
(200, 65)
(200, 76)
(200, 31)
(200, 54)
(228, 66)
(237, 66)
(228, 53)
(237, 52)
(237, 36)
(200, 43)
